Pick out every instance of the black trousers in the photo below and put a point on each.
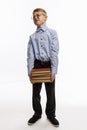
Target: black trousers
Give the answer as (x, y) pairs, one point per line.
(50, 93)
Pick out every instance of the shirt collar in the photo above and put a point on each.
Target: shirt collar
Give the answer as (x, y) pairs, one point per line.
(44, 28)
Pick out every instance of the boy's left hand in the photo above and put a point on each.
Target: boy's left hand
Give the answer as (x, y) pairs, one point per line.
(52, 77)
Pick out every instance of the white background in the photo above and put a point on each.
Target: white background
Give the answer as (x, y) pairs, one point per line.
(69, 19)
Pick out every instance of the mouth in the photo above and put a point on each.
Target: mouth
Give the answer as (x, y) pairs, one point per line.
(37, 20)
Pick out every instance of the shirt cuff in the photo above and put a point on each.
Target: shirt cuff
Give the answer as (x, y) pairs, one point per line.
(54, 70)
(29, 71)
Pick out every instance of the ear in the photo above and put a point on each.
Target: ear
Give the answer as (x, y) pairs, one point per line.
(46, 17)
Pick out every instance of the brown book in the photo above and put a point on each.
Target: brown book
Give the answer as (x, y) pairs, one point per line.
(41, 75)
(40, 81)
(41, 70)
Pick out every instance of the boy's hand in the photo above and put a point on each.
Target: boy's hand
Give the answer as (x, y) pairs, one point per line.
(52, 77)
(30, 79)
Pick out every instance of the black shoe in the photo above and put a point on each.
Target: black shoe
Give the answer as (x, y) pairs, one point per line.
(54, 121)
(33, 119)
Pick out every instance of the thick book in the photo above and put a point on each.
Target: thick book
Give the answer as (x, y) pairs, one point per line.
(41, 75)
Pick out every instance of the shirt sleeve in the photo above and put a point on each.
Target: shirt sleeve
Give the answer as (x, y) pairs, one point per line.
(54, 52)
(30, 57)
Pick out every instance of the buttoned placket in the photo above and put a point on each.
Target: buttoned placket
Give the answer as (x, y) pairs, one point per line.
(41, 43)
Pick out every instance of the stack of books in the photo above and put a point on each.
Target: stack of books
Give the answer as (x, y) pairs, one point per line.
(41, 75)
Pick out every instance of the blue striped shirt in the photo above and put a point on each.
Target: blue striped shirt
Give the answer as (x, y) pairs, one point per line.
(43, 45)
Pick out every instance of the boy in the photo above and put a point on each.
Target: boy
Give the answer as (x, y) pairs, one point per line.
(42, 52)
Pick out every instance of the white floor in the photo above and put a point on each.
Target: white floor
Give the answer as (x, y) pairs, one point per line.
(16, 109)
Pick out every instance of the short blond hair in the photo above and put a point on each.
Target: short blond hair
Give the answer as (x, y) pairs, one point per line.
(39, 9)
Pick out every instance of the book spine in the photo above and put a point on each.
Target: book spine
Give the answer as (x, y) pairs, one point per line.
(38, 72)
(40, 81)
(42, 74)
(42, 78)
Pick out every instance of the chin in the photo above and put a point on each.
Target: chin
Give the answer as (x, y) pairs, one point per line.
(37, 24)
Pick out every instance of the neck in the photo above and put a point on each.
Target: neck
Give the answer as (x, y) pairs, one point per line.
(41, 26)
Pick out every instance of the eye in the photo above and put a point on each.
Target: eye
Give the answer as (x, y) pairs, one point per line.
(38, 15)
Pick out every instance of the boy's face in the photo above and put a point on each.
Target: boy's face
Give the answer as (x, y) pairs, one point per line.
(39, 18)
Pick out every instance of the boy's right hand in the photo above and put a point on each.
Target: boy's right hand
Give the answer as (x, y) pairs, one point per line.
(52, 77)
